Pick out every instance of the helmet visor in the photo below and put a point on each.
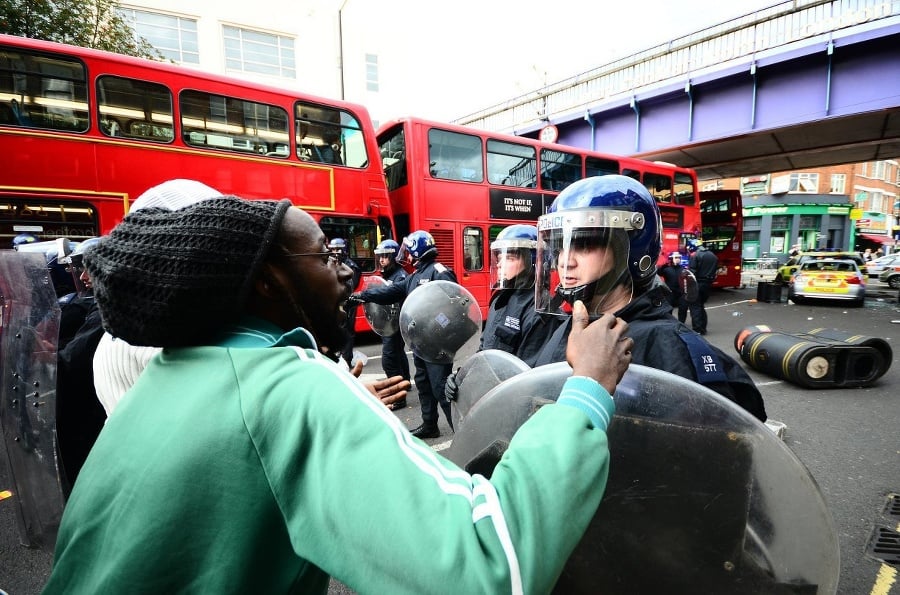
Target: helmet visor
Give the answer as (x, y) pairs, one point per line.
(583, 258)
(384, 259)
(512, 264)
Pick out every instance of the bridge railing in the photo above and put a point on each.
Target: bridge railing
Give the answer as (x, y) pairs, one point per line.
(742, 37)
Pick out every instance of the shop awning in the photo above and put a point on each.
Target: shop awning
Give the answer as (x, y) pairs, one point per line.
(878, 239)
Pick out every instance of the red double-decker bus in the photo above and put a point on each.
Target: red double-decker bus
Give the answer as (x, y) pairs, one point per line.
(722, 219)
(464, 185)
(84, 132)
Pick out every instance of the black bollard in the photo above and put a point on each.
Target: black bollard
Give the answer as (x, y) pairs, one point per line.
(818, 359)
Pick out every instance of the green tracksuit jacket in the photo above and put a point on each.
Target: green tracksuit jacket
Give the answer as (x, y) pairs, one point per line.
(242, 469)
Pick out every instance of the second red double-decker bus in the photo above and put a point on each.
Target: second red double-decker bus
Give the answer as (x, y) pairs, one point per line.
(464, 185)
(722, 219)
(84, 132)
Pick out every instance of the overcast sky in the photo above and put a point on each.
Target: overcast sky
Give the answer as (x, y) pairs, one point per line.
(467, 55)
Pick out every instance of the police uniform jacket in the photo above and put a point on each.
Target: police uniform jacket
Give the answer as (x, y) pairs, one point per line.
(671, 275)
(661, 342)
(427, 269)
(704, 265)
(514, 326)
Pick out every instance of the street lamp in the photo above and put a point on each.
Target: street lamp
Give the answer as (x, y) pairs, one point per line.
(341, 44)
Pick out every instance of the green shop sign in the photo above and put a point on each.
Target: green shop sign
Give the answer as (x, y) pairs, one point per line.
(797, 210)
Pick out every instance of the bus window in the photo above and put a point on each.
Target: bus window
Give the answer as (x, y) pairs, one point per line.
(473, 249)
(594, 166)
(392, 147)
(134, 109)
(360, 234)
(76, 220)
(43, 91)
(559, 169)
(632, 173)
(660, 186)
(684, 189)
(511, 164)
(455, 156)
(220, 122)
(329, 135)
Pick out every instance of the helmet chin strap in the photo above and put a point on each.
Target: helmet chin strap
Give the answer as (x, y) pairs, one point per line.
(586, 292)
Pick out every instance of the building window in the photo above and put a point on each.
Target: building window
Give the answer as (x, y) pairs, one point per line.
(879, 169)
(877, 200)
(371, 72)
(174, 37)
(804, 183)
(838, 184)
(263, 53)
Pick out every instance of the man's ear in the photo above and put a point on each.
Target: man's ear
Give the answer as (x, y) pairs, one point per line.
(267, 283)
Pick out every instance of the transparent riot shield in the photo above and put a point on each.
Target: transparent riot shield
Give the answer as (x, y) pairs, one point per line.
(29, 326)
(701, 496)
(480, 373)
(441, 322)
(383, 318)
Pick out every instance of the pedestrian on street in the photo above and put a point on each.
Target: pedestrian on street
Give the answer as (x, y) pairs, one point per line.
(243, 460)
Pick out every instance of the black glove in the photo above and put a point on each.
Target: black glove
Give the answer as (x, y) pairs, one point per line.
(355, 298)
(451, 389)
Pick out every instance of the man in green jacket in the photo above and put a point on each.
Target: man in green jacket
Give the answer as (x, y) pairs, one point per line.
(243, 460)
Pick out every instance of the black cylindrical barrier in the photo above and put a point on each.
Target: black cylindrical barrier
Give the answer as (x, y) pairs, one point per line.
(808, 361)
(882, 346)
(768, 292)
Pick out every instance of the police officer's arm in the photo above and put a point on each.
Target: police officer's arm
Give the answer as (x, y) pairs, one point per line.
(384, 294)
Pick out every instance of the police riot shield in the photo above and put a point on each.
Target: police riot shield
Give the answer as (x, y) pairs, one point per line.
(688, 283)
(701, 497)
(480, 373)
(441, 322)
(29, 326)
(383, 318)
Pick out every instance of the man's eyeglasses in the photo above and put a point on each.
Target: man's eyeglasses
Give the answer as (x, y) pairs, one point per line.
(327, 257)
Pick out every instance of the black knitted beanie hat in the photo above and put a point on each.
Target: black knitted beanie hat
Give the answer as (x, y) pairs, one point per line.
(173, 278)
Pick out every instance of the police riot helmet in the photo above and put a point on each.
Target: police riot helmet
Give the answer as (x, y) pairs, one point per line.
(59, 275)
(599, 243)
(386, 249)
(75, 263)
(338, 245)
(513, 253)
(693, 244)
(23, 239)
(417, 245)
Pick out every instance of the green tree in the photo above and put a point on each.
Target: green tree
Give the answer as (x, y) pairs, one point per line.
(86, 23)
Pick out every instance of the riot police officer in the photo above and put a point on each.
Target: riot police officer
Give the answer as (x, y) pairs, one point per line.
(512, 323)
(393, 350)
(599, 243)
(339, 246)
(419, 249)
